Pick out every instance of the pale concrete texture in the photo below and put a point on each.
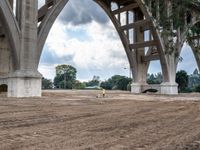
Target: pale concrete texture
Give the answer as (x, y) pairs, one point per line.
(22, 37)
(168, 88)
(136, 88)
(24, 84)
(3, 80)
(139, 88)
(5, 57)
(24, 87)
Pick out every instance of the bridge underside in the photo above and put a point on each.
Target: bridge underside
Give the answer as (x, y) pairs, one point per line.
(22, 38)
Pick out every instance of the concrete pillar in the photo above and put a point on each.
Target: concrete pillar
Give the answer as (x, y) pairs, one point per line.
(140, 67)
(5, 58)
(6, 63)
(169, 85)
(26, 80)
(11, 3)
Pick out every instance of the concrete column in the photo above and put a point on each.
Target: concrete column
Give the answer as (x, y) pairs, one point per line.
(5, 58)
(26, 80)
(140, 68)
(169, 86)
(11, 3)
(4, 61)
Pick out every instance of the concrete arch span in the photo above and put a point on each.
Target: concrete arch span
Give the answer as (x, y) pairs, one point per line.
(10, 40)
(195, 47)
(9, 30)
(188, 39)
(51, 15)
(134, 51)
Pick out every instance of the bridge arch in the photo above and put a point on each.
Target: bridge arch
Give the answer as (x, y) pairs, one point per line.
(135, 50)
(47, 19)
(194, 43)
(10, 29)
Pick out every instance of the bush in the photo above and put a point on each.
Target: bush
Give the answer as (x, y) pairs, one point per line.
(129, 86)
(186, 90)
(197, 88)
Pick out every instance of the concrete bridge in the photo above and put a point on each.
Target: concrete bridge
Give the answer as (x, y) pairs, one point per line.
(23, 32)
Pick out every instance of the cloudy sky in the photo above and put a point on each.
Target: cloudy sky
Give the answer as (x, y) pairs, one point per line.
(84, 37)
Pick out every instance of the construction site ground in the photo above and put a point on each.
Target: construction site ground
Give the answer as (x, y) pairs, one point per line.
(83, 120)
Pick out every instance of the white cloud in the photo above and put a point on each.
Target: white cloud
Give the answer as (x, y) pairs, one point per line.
(48, 71)
(101, 48)
(92, 46)
(40, 3)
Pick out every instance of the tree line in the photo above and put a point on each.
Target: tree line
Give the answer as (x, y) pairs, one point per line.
(66, 79)
(186, 83)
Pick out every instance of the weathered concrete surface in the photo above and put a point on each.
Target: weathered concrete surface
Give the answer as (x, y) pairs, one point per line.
(168, 88)
(24, 87)
(24, 84)
(23, 79)
(5, 57)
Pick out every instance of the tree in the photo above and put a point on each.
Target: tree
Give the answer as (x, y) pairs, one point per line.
(173, 19)
(96, 78)
(182, 80)
(122, 83)
(116, 82)
(154, 79)
(151, 79)
(94, 82)
(65, 76)
(106, 85)
(47, 84)
(79, 85)
(197, 89)
(196, 72)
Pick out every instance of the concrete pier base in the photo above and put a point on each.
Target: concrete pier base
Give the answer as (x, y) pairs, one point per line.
(139, 88)
(164, 88)
(136, 88)
(24, 84)
(169, 88)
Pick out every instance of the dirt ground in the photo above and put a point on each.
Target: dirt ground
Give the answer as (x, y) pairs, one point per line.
(78, 120)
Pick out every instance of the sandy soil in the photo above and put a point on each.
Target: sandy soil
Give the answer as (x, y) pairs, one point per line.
(78, 120)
